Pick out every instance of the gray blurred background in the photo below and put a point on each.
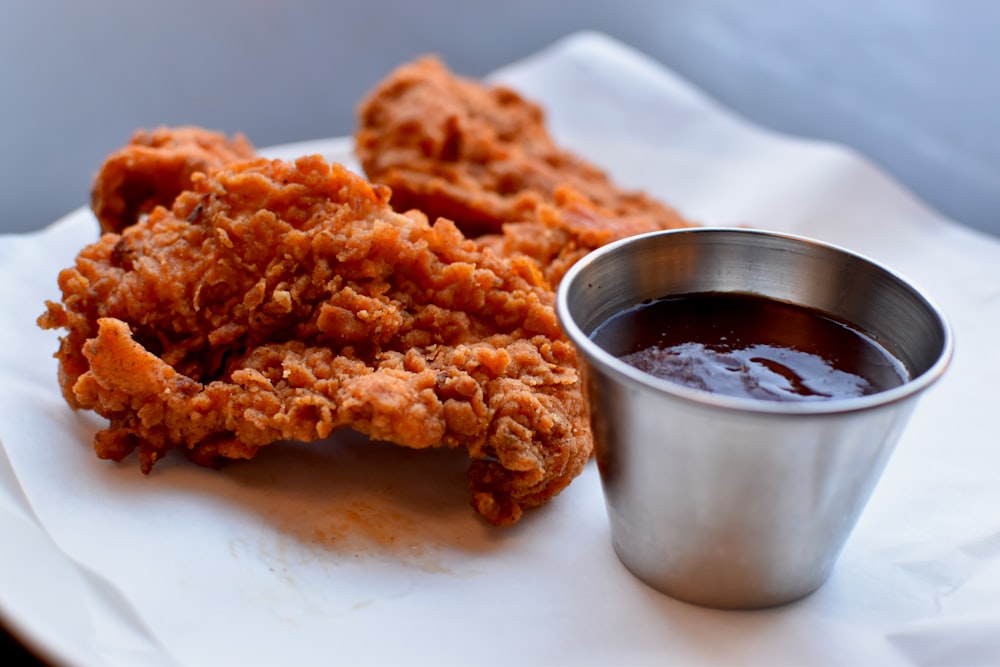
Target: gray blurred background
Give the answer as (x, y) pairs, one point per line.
(911, 83)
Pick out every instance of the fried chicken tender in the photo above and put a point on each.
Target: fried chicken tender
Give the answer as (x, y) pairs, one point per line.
(155, 167)
(280, 300)
(566, 230)
(481, 156)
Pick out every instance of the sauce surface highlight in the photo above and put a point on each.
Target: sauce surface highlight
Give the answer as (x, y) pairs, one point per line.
(746, 345)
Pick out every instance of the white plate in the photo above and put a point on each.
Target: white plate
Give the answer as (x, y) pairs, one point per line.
(347, 552)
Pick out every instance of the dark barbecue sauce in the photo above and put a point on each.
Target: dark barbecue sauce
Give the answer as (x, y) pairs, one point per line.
(752, 346)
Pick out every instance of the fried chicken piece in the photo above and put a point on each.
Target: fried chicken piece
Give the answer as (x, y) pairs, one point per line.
(481, 156)
(566, 230)
(155, 167)
(284, 300)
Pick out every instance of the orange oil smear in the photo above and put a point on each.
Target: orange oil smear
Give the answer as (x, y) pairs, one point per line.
(351, 499)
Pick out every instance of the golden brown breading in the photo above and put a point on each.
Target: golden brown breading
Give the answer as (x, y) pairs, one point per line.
(286, 300)
(566, 230)
(155, 167)
(480, 155)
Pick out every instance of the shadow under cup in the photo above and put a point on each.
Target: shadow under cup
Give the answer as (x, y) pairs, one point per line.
(736, 502)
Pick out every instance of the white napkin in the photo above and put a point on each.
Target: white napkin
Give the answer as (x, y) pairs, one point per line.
(353, 553)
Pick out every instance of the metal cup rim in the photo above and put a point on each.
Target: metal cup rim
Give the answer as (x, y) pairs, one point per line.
(623, 372)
